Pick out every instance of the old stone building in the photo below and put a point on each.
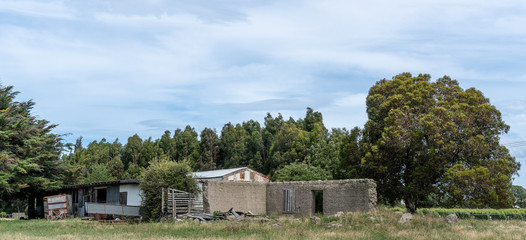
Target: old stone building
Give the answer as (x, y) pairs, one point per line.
(295, 199)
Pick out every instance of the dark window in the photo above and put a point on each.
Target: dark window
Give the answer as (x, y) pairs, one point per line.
(101, 195)
(289, 200)
(123, 198)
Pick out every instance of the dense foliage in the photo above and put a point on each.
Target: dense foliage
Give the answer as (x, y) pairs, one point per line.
(426, 137)
(266, 149)
(29, 151)
(302, 172)
(164, 173)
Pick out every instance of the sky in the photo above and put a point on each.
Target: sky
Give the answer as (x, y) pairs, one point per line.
(111, 69)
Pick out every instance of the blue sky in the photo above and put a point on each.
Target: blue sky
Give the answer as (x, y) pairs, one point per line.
(110, 69)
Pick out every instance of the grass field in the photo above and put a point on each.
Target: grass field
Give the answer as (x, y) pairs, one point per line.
(380, 225)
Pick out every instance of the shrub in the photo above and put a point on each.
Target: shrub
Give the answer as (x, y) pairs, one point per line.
(163, 174)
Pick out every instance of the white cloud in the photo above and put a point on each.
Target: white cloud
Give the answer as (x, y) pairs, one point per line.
(36, 8)
(115, 68)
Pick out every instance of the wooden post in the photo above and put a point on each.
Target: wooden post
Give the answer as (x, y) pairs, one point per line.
(162, 202)
(174, 210)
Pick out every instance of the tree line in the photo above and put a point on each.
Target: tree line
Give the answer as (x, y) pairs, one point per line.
(426, 143)
(265, 147)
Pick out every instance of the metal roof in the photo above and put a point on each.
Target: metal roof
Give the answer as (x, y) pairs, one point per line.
(94, 184)
(216, 173)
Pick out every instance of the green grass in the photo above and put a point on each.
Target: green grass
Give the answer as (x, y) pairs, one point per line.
(382, 224)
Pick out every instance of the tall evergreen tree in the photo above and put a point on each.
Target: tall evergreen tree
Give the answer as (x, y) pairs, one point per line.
(29, 151)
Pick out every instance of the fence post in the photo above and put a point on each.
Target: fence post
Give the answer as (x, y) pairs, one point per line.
(162, 202)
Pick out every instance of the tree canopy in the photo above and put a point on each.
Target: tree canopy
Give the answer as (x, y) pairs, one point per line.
(29, 151)
(421, 135)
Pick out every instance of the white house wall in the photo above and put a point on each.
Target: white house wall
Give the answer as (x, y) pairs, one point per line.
(133, 190)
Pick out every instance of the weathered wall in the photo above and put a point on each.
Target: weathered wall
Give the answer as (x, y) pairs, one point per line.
(246, 174)
(339, 195)
(242, 196)
(134, 194)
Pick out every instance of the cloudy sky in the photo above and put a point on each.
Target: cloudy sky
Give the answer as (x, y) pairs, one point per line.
(110, 69)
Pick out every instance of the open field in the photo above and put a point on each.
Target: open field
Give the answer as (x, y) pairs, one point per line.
(380, 225)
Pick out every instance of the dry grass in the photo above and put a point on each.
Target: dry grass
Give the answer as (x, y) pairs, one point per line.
(382, 224)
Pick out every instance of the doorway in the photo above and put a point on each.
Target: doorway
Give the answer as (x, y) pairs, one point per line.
(317, 197)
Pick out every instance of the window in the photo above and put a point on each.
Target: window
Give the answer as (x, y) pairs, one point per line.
(123, 198)
(289, 200)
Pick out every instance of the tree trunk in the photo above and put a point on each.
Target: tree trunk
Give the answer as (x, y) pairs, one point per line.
(410, 204)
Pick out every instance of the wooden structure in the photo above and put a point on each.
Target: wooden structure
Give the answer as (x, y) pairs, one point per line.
(175, 202)
(57, 206)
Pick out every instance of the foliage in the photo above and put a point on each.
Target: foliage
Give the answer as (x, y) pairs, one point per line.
(29, 151)
(520, 195)
(483, 213)
(164, 173)
(418, 129)
(301, 172)
(99, 172)
(209, 146)
(479, 186)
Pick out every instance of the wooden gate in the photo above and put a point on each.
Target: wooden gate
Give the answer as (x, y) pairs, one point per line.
(179, 201)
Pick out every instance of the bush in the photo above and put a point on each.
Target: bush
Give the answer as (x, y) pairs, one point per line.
(163, 174)
(302, 172)
(463, 215)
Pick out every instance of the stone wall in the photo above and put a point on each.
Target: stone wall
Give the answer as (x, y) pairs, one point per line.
(242, 196)
(356, 195)
(353, 195)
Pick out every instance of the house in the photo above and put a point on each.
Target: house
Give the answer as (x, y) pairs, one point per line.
(242, 174)
(120, 192)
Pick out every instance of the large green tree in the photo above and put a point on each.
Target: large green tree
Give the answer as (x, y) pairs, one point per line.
(29, 151)
(418, 129)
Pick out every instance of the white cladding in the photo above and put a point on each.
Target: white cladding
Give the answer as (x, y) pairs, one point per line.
(134, 191)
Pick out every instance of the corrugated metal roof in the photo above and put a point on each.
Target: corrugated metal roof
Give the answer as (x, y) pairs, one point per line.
(215, 173)
(117, 182)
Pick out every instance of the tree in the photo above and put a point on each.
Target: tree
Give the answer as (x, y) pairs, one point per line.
(272, 127)
(301, 172)
(418, 129)
(164, 173)
(233, 145)
(187, 146)
(253, 145)
(99, 172)
(209, 146)
(131, 153)
(520, 195)
(350, 155)
(29, 151)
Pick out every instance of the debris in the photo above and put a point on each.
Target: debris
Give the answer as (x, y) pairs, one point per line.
(406, 218)
(315, 219)
(451, 219)
(233, 212)
(338, 214)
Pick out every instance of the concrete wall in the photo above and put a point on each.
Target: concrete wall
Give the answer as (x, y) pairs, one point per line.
(353, 195)
(339, 195)
(242, 196)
